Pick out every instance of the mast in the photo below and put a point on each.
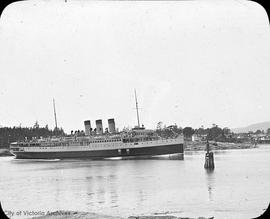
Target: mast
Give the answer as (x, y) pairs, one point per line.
(55, 120)
(137, 109)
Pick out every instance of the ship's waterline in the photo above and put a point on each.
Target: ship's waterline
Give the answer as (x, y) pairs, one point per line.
(168, 149)
(97, 149)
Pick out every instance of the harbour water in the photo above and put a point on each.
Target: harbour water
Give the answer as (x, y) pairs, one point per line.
(237, 188)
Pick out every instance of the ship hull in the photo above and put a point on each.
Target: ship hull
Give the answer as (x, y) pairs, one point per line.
(101, 154)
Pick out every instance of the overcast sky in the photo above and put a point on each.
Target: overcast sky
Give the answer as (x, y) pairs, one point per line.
(192, 63)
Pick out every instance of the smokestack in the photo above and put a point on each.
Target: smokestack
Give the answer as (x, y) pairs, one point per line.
(87, 127)
(99, 126)
(111, 125)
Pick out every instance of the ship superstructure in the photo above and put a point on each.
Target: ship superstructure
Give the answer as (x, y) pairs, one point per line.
(97, 143)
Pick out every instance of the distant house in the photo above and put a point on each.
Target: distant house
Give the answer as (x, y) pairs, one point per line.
(243, 138)
(262, 138)
(196, 137)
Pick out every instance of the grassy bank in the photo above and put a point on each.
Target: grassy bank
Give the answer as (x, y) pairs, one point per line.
(201, 146)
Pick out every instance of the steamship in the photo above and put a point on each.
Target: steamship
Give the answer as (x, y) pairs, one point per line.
(99, 144)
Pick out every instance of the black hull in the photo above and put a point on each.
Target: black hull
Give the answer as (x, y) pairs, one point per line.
(100, 154)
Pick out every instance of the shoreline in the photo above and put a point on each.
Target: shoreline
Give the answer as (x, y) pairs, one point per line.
(88, 215)
(188, 146)
(4, 152)
(217, 146)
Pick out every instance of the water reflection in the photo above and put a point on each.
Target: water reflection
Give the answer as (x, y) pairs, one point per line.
(128, 187)
(210, 177)
(101, 185)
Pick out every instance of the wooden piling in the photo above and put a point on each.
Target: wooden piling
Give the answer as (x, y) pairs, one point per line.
(209, 158)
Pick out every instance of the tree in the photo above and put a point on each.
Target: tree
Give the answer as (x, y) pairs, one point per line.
(201, 131)
(58, 131)
(168, 131)
(8, 135)
(214, 132)
(226, 131)
(36, 125)
(258, 132)
(188, 131)
(159, 125)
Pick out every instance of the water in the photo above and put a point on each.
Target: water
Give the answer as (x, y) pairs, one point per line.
(238, 188)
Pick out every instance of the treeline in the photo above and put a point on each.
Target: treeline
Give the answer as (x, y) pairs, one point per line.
(8, 135)
(215, 133)
(260, 132)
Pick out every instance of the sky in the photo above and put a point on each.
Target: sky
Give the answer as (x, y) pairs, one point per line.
(192, 63)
